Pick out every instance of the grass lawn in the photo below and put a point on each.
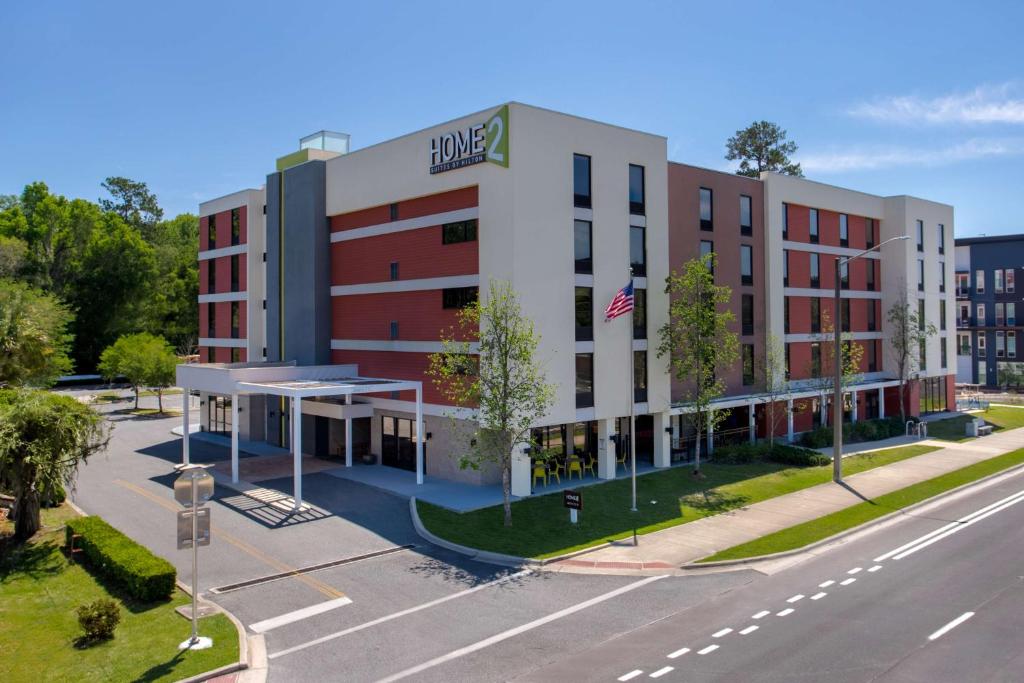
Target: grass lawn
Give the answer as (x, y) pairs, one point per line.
(541, 528)
(955, 428)
(39, 591)
(803, 534)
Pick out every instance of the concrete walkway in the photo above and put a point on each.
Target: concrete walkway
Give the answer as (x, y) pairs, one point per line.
(692, 541)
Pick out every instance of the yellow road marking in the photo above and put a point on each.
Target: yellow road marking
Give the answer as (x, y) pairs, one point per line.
(239, 543)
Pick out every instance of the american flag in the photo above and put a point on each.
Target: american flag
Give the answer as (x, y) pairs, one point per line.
(621, 304)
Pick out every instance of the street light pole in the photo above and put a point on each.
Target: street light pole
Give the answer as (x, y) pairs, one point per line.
(837, 362)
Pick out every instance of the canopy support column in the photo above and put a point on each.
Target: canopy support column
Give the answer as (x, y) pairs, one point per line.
(421, 435)
(234, 438)
(348, 434)
(297, 451)
(185, 428)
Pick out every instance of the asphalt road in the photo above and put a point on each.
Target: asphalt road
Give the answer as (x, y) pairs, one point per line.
(418, 612)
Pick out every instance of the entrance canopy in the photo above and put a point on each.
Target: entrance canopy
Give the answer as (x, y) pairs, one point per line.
(296, 383)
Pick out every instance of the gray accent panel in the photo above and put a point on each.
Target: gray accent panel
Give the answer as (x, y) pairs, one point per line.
(273, 282)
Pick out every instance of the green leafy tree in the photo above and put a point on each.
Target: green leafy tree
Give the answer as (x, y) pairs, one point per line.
(144, 360)
(34, 338)
(13, 255)
(696, 340)
(908, 335)
(503, 382)
(43, 439)
(762, 146)
(823, 372)
(773, 377)
(172, 309)
(133, 202)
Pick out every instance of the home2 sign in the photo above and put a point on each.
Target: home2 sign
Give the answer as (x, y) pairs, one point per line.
(473, 144)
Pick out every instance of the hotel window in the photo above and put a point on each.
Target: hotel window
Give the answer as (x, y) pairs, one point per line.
(997, 281)
(844, 312)
(979, 281)
(234, 319)
(980, 318)
(815, 359)
(872, 315)
(236, 355)
(393, 271)
(844, 275)
(785, 221)
(211, 232)
(981, 372)
(922, 356)
(871, 348)
(705, 209)
(582, 234)
(1011, 315)
(920, 235)
(747, 313)
(942, 352)
(584, 314)
(785, 314)
(1000, 320)
(639, 314)
(921, 321)
(393, 211)
(639, 376)
(746, 215)
(708, 247)
(942, 276)
(870, 265)
(942, 238)
(748, 364)
(211, 276)
(211, 327)
(584, 380)
(581, 181)
(458, 297)
(1000, 344)
(636, 189)
(638, 250)
(869, 232)
(393, 329)
(1011, 344)
(814, 225)
(236, 228)
(815, 315)
(1010, 286)
(785, 267)
(920, 275)
(815, 278)
(234, 272)
(746, 264)
(844, 230)
(459, 231)
(942, 315)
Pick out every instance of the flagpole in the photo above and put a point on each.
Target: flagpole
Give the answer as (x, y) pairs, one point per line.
(632, 393)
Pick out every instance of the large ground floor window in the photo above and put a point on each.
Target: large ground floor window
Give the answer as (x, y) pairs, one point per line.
(398, 443)
(218, 413)
(933, 394)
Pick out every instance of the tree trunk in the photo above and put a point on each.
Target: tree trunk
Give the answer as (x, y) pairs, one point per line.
(160, 400)
(26, 522)
(506, 486)
(903, 401)
(696, 451)
(136, 390)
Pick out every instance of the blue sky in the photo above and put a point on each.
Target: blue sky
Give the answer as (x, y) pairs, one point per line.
(198, 99)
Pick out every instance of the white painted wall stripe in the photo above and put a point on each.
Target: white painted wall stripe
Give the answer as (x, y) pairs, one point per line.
(220, 297)
(406, 285)
(407, 224)
(223, 343)
(223, 251)
(403, 346)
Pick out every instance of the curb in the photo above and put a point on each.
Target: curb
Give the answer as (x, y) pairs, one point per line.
(252, 653)
(760, 559)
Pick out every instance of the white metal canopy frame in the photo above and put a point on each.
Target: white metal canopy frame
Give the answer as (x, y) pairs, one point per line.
(295, 383)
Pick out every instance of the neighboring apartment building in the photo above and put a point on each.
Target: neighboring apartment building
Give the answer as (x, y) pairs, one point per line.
(987, 301)
(359, 260)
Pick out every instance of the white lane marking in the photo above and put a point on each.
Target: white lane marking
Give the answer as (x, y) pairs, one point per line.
(662, 671)
(826, 584)
(298, 615)
(847, 582)
(397, 615)
(723, 632)
(952, 525)
(854, 570)
(819, 595)
(959, 527)
(951, 625)
(679, 653)
(788, 610)
(749, 629)
(761, 614)
(709, 648)
(512, 632)
(875, 568)
(632, 674)
(796, 598)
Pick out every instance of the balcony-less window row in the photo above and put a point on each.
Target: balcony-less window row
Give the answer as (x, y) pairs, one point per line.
(583, 255)
(584, 313)
(1003, 281)
(581, 183)
(815, 314)
(458, 297)
(814, 233)
(459, 231)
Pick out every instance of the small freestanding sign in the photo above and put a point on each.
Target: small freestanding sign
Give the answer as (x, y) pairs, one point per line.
(574, 501)
(192, 488)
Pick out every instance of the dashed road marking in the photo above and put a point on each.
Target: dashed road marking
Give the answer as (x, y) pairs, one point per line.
(854, 570)
(826, 584)
(847, 582)
(796, 598)
(875, 568)
(763, 613)
(819, 596)
(662, 671)
(723, 632)
(749, 629)
(951, 625)
(788, 610)
(632, 674)
(709, 648)
(678, 653)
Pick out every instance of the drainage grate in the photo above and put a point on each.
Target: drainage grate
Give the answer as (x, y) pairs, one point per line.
(306, 570)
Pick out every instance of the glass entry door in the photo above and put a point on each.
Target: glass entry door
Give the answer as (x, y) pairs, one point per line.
(398, 443)
(219, 414)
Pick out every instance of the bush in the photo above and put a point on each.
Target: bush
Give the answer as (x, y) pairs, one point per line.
(142, 574)
(797, 457)
(820, 437)
(99, 619)
(738, 454)
(784, 454)
(864, 430)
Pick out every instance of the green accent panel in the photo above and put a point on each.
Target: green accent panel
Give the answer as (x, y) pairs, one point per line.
(293, 159)
(496, 137)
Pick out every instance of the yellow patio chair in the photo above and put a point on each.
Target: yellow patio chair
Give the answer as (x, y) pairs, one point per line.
(590, 466)
(540, 472)
(573, 464)
(620, 459)
(555, 469)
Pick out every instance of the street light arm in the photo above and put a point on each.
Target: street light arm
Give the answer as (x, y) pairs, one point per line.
(877, 247)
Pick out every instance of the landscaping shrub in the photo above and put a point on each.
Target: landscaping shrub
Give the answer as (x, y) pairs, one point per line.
(820, 437)
(795, 456)
(738, 454)
(864, 430)
(142, 574)
(98, 619)
(784, 454)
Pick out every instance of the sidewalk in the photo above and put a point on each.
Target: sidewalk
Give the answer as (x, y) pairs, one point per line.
(692, 541)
